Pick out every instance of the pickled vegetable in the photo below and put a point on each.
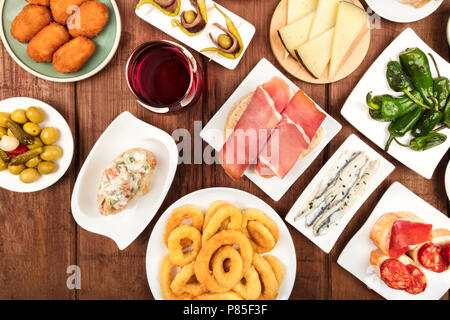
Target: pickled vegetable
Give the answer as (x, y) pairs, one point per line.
(24, 157)
(19, 116)
(32, 129)
(29, 175)
(51, 153)
(4, 117)
(49, 135)
(35, 114)
(3, 132)
(46, 167)
(4, 156)
(16, 169)
(3, 165)
(37, 143)
(224, 41)
(8, 143)
(33, 163)
(21, 135)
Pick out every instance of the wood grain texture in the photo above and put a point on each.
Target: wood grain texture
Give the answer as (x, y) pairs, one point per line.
(39, 238)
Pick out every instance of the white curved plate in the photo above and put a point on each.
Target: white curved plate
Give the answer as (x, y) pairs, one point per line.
(447, 180)
(396, 11)
(284, 249)
(124, 133)
(52, 119)
(448, 31)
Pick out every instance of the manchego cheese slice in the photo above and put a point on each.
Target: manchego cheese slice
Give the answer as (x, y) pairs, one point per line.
(325, 17)
(349, 22)
(295, 34)
(298, 9)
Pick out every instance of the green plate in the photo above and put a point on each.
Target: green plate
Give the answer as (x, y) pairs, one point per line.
(106, 44)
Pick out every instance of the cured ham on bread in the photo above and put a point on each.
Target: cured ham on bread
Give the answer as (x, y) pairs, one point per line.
(396, 232)
(400, 274)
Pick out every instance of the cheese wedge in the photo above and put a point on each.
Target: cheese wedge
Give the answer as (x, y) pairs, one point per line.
(298, 9)
(315, 54)
(295, 34)
(325, 17)
(349, 22)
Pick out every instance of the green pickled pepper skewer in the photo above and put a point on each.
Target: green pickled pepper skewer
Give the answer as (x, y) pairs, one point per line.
(160, 8)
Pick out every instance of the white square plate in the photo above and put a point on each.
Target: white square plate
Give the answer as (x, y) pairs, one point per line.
(213, 131)
(124, 133)
(158, 19)
(356, 111)
(355, 256)
(326, 242)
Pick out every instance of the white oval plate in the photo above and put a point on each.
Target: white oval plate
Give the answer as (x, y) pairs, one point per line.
(447, 180)
(52, 119)
(284, 249)
(396, 11)
(124, 133)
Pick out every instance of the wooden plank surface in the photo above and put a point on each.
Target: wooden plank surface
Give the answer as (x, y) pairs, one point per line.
(40, 239)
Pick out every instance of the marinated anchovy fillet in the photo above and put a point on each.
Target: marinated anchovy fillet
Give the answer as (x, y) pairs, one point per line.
(334, 214)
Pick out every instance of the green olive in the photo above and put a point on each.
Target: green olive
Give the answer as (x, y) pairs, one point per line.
(49, 135)
(33, 163)
(51, 153)
(4, 117)
(35, 114)
(3, 132)
(19, 116)
(29, 175)
(32, 129)
(3, 165)
(46, 167)
(225, 41)
(37, 143)
(189, 16)
(9, 133)
(16, 169)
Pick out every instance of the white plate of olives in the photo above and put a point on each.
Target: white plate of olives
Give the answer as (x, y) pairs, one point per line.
(52, 145)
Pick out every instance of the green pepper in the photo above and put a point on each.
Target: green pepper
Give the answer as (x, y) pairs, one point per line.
(400, 126)
(415, 64)
(446, 119)
(174, 12)
(232, 33)
(197, 26)
(427, 123)
(441, 87)
(391, 107)
(427, 142)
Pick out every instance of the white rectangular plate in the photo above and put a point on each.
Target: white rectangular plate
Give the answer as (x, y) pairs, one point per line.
(124, 133)
(213, 131)
(355, 256)
(326, 242)
(356, 111)
(158, 19)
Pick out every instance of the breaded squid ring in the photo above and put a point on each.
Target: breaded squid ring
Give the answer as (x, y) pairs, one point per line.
(258, 215)
(230, 295)
(176, 253)
(165, 279)
(179, 215)
(227, 279)
(250, 288)
(269, 282)
(277, 267)
(223, 238)
(262, 238)
(223, 213)
(182, 284)
(213, 207)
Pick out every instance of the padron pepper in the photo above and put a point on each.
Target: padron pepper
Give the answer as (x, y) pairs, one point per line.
(441, 87)
(415, 64)
(427, 122)
(235, 49)
(400, 126)
(391, 107)
(168, 7)
(198, 23)
(429, 141)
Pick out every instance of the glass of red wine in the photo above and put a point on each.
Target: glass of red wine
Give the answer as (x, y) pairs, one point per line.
(164, 76)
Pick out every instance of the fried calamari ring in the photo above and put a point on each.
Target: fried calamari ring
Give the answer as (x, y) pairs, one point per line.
(179, 215)
(223, 238)
(212, 209)
(250, 286)
(221, 215)
(230, 295)
(269, 282)
(258, 215)
(262, 238)
(227, 257)
(185, 282)
(165, 280)
(179, 256)
(277, 267)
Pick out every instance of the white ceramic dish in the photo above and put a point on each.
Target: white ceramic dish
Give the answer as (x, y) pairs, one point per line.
(213, 131)
(284, 249)
(355, 256)
(124, 133)
(396, 11)
(356, 111)
(52, 119)
(158, 19)
(448, 31)
(447, 180)
(326, 242)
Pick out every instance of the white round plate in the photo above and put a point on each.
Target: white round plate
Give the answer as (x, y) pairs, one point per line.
(448, 31)
(52, 119)
(447, 180)
(395, 10)
(284, 249)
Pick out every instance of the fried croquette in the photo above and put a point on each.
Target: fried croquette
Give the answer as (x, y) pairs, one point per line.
(73, 55)
(47, 41)
(30, 21)
(63, 9)
(40, 2)
(93, 17)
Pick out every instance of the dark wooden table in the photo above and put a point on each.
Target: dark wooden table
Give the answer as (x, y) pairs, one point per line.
(39, 239)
